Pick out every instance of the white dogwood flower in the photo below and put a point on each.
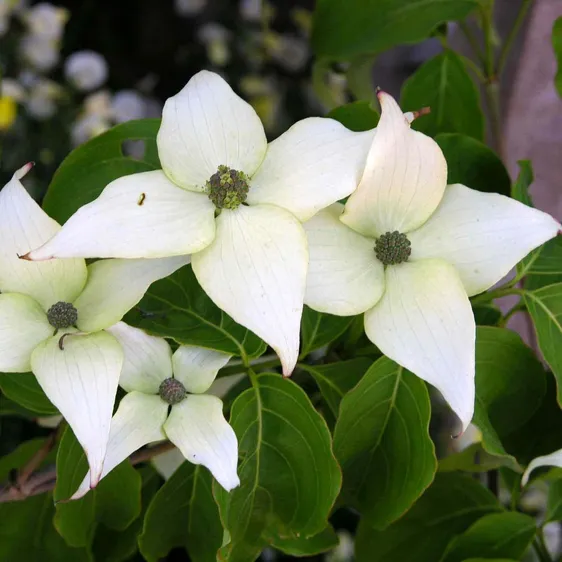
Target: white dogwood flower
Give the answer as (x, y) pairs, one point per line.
(53, 317)
(408, 250)
(554, 459)
(232, 198)
(166, 399)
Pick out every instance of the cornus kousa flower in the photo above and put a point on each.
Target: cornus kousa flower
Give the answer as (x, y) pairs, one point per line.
(229, 198)
(408, 250)
(166, 399)
(53, 317)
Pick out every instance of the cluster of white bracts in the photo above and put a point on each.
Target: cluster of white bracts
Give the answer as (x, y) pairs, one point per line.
(290, 244)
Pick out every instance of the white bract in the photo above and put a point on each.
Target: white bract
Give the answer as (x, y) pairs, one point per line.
(166, 399)
(440, 244)
(53, 317)
(554, 459)
(86, 70)
(250, 258)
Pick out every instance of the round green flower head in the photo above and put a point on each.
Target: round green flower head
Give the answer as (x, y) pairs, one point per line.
(62, 315)
(228, 188)
(172, 391)
(393, 248)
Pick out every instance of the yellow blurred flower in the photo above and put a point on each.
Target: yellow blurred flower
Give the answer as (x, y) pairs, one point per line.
(8, 112)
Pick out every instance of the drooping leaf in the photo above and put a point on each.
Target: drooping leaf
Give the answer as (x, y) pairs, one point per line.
(288, 473)
(449, 506)
(27, 533)
(382, 443)
(24, 389)
(557, 46)
(473, 164)
(299, 546)
(357, 115)
(319, 329)
(545, 307)
(90, 167)
(444, 84)
(178, 308)
(115, 502)
(345, 28)
(183, 514)
(497, 535)
(336, 379)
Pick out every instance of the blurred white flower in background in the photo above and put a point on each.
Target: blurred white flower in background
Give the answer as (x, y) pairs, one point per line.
(7, 9)
(46, 21)
(187, 8)
(42, 98)
(215, 38)
(290, 51)
(344, 551)
(86, 70)
(88, 127)
(127, 105)
(11, 88)
(251, 10)
(42, 54)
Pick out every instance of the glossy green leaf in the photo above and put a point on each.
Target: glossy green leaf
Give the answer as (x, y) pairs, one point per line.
(382, 443)
(357, 115)
(27, 533)
(178, 308)
(473, 164)
(299, 546)
(472, 459)
(545, 307)
(487, 315)
(319, 329)
(490, 560)
(183, 514)
(544, 265)
(90, 167)
(557, 46)
(497, 535)
(520, 189)
(24, 389)
(115, 502)
(444, 84)
(345, 28)
(450, 506)
(510, 387)
(336, 379)
(289, 475)
(554, 502)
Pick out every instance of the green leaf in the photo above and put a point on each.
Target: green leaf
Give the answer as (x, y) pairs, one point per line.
(450, 505)
(336, 379)
(557, 46)
(19, 457)
(544, 265)
(520, 189)
(183, 514)
(319, 329)
(496, 535)
(289, 476)
(357, 115)
(487, 314)
(545, 307)
(345, 28)
(90, 167)
(24, 389)
(115, 502)
(473, 164)
(510, 387)
(382, 443)
(472, 459)
(27, 533)
(178, 308)
(554, 502)
(489, 560)
(444, 85)
(298, 546)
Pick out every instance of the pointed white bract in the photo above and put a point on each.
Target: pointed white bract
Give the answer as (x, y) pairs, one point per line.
(81, 381)
(24, 226)
(195, 424)
(554, 459)
(170, 212)
(462, 242)
(255, 270)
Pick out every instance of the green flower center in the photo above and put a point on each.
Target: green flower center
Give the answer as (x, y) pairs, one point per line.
(62, 315)
(172, 391)
(393, 248)
(227, 188)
